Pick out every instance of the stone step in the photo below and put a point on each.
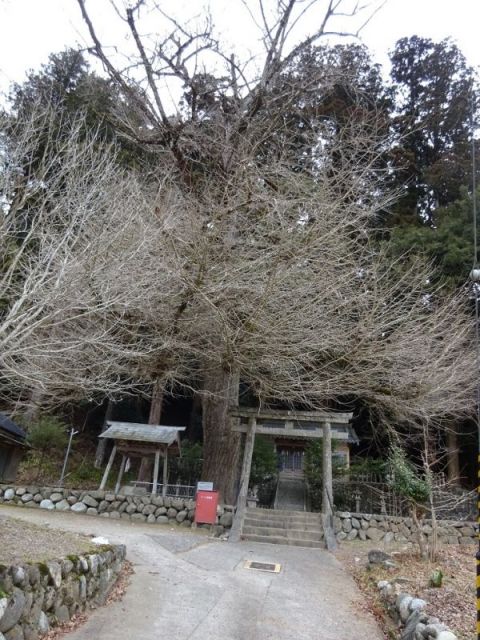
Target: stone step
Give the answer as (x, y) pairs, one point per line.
(282, 513)
(315, 544)
(283, 525)
(290, 534)
(307, 519)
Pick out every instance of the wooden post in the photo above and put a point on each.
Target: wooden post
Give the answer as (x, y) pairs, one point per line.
(165, 472)
(155, 471)
(327, 497)
(237, 525)
(108, 468)
(120, 473)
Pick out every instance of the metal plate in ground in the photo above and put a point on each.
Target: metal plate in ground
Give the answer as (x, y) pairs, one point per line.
(262, 566)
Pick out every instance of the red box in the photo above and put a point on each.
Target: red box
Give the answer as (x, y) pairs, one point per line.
(206, 507)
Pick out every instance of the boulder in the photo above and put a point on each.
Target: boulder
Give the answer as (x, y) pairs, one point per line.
(27, 497)
(9, 494)
(351, 535)
(16, 633)
(374, 534)
(47, 504)
(55, 573)
(226, 519)
(402, 604)
(43, 624)
(162, 519)
(63, 505)
(56, 497)
(13, 610)
(347, 525)
(79, 507)
(181, 515)
(89, 501)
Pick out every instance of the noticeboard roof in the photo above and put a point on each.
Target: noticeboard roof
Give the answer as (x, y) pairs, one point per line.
(156, 433)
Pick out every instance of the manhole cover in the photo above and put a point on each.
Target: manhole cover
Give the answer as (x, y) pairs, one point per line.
(262, 566)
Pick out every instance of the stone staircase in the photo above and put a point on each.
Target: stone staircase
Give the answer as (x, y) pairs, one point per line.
(297, 528)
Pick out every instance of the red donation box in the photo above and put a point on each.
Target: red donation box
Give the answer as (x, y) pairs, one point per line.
(206, 507)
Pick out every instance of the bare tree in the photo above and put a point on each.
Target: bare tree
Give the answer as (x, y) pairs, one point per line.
(242, 256)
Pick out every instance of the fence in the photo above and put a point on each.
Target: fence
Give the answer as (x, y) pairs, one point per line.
(173, 490)
(365, 494)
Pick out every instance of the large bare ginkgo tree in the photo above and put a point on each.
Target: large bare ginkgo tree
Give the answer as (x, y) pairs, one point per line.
(242, 253)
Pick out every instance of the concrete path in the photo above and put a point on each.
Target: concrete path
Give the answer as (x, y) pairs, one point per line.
(189, 587)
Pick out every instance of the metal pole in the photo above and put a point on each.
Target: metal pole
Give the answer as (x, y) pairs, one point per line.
(475, 277)
(72, 433)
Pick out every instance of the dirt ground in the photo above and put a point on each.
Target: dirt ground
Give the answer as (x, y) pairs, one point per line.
(26, 542)
(454, 603)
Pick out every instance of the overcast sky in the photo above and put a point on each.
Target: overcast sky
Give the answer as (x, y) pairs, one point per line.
(31, 29)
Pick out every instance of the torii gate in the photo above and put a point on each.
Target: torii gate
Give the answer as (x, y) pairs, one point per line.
(289, 424)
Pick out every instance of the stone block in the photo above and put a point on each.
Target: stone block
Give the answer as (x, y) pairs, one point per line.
(79, 507)
(226, 519)
(138, 517)
(90, 501)
(374, 534)
(162, 519)
(12, 610)
(16, 633)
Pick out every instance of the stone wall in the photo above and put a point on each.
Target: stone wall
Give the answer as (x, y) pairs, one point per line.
(409, 613)
(376, 528)
(34, 597)
(152, 509)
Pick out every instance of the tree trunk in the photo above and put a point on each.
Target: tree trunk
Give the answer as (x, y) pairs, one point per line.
(156, 403)
(146, 465)
(32, 413)
(221, 446)
(102, 442)
(453, 462)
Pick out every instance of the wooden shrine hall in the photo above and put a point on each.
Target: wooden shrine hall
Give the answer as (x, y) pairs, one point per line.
(134, 440)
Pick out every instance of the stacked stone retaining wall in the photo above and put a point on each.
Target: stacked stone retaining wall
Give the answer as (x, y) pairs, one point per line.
(376, 528)
(34, 597)
(152, 509)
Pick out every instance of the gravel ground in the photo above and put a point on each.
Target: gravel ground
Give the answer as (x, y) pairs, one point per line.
(454, 603)
(26, 542)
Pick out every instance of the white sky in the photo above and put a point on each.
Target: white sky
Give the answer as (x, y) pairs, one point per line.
(31, 29)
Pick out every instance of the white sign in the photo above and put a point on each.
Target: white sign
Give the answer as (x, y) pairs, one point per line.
(204, 486)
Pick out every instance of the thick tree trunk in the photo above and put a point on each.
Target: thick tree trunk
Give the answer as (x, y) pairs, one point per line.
(146, 465)
(221, 446)
(453, 462)
(32, 413)
(156, 403)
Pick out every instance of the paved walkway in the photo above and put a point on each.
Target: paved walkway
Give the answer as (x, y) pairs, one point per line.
(189, 587)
